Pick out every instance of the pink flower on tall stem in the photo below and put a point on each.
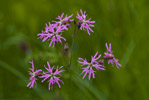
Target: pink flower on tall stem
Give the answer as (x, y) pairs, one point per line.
(110, 56)
(90, 65)
(33, 74)
(84, 23)
(52, 33)
(52, 75)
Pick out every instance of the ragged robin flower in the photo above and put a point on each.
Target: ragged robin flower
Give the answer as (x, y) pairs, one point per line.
(52, 33)
(63, 22)
(34, 74)
(84, 23)
(91, 65)
(53, 76)
(109, 55)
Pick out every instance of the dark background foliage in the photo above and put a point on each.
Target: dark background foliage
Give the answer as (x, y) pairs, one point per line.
(124, 23)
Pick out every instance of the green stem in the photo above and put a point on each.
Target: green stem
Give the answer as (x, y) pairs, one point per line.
(71, 52)
(72, 46)
(87, 89)
(70, 59)
(73, 36)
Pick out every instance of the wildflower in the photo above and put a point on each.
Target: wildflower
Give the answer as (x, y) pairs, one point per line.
(90, 65)
(52, 33)
(83, 23)
(110, 56)
(63, 21)
(33, 74)
(52, 75)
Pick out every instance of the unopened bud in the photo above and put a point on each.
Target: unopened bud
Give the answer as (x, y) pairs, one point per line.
(89, 61)
(74, 22)
(38, 74)
(66, 49)
(23, 46)
(101, 62)
(108, 57)
(68, 25)
(79, 24)
(64, 23)
(69, 21)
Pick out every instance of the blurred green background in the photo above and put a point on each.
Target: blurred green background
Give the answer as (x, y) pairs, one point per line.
(124, 23)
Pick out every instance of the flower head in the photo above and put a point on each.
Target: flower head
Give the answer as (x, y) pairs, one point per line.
(63, 21)
(33, 74)
(83, 23)
(91, 65)
(110, 56)
(52, 75)
(52, 33)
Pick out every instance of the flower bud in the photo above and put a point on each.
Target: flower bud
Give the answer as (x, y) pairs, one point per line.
(64, 23)
(101, 62)
(108, 57)
(68, 25)
(24, 46)
(89, 61)
(66, 49)
(69, 21)
(74, 22)
(79, 24)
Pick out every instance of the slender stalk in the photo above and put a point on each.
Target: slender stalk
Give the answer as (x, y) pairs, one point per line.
(87, 89)
(73, 36)
(64, 57)
(70, 59)
(71, 53)
(72, 46)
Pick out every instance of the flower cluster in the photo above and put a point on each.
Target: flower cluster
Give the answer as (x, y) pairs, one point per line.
(98, 64)
(51, 74)
(53, 32)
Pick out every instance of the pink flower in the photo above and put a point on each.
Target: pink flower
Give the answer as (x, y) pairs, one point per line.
(52, 75)
(90, 65)
(63, 21)
(52, 33)
(110, 56)
(33, 74)
(85, 24)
